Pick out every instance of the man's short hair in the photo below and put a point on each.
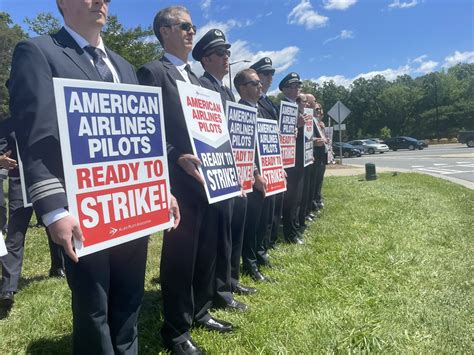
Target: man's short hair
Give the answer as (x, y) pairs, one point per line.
(166, 17)
(242, 77)
(301, 97)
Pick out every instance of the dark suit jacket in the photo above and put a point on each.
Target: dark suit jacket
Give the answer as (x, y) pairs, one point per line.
(164, 74)
(35, 62)
(268, 109)
(209, 82)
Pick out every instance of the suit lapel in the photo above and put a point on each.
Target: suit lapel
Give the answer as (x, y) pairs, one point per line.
(120, 70)
(171, 70)
(76, 54)
(194, 79)
(174, 73)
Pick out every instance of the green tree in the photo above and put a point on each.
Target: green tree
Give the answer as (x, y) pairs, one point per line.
(43, 24)
(10, 34)
(137, 45)
(385, 132)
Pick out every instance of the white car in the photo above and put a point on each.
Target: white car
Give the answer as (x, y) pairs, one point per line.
(369, 147)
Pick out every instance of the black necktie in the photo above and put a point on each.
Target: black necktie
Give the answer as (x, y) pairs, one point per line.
(272, 105)
(98, 57)
(228, 94)
(192, 78)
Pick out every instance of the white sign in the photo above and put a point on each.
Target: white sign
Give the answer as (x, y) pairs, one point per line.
(342, 127)
(115, 163)
(3, 248)
(24, 193)
(210, 140)
(339, 112)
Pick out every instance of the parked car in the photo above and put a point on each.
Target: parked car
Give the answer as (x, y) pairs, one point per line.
(378, 140)
(425, 144)
(368, 146)
(403, 142)
(466, 137)
(347, 150)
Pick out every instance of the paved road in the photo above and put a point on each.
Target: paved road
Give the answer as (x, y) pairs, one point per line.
(451, 161)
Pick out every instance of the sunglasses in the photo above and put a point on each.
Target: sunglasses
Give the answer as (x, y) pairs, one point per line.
(267, 73)
(220, 52)
(253, 82)
(185, 26)
(294, 86)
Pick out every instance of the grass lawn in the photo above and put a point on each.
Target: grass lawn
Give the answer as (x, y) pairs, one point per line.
(388, 267)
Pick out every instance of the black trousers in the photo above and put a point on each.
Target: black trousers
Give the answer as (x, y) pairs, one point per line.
(238, 226)
(278, 211)
(188, 264)
(19, 218)
(229, 251)
(3, 207)
(264, 229)
(319, 178)
(250, 243)
(305, 202)
(291, 199)
(107, 291)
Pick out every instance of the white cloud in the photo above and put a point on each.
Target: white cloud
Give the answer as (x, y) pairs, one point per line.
(205, 7)
(424, 65)
(241, 50)
(427, 67)
(338, 4)
(223, 26)
(458, 57)
(206, 4)
(389, 74)
(304, 15)
(397, 4)
(420, 59)
(345, 34)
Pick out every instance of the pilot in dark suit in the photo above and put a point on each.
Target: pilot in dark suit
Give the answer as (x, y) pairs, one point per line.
(18, 221)
(213, 53)
(267, 229)
(107, 286)
(249, 87)
(188, 258)
(290, 86)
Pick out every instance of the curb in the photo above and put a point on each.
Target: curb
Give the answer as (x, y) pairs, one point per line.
(360, 170)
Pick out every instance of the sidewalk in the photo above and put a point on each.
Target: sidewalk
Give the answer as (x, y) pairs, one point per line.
(349, 170)
(352, 170)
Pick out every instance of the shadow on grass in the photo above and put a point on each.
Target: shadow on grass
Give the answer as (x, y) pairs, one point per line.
(4, 312)
(25, 282)
(150, 322)
(51, 346)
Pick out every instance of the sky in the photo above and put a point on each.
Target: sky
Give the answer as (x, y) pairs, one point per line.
(321, 40)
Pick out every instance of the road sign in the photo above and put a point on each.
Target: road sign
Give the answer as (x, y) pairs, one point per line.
(342, 127)
(339, 112)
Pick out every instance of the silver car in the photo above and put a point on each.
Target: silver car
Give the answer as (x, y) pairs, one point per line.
(369, 147)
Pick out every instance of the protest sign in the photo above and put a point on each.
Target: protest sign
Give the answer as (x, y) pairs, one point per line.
(207, 128)
(308, 138)
(3, 248)
(114, 158)
(328, 132)
(269, 156)
(241, 121)
(24, 193)
(288, 120)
